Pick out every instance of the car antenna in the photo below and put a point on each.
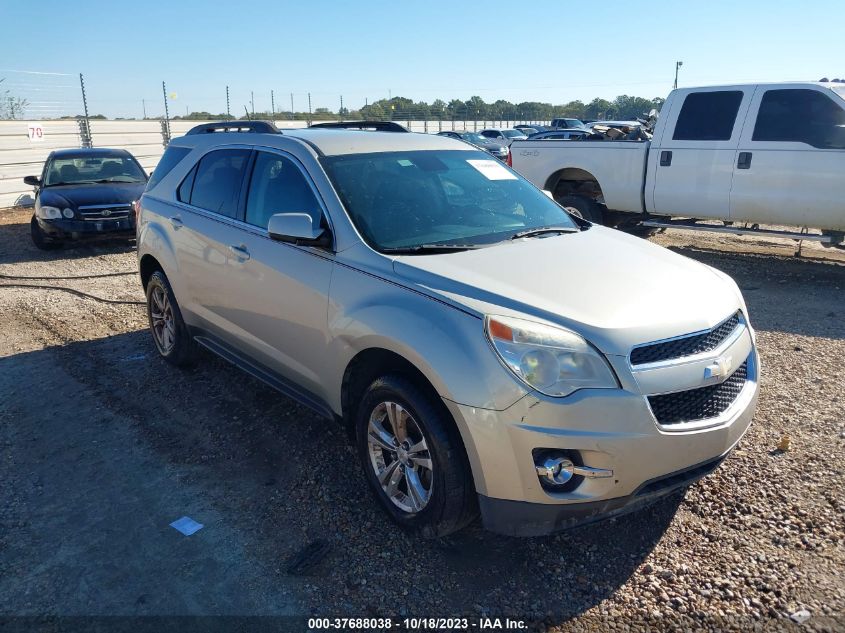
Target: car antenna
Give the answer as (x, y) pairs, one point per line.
(247, 114)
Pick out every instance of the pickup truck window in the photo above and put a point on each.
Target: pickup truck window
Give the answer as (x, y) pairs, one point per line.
(708, 116)
(800, 116)
(414, 199)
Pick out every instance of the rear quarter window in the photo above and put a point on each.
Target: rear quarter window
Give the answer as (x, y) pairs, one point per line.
(173, 155)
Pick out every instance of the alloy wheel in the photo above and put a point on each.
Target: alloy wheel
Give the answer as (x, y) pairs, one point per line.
(161, 316)
(400, 457)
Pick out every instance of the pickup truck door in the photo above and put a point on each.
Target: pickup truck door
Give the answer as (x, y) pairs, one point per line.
(791, 159)
(691, 165)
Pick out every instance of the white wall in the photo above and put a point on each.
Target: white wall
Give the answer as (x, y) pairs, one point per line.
(19, 156)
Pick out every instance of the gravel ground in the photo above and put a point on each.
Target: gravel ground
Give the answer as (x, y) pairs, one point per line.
(102, 445)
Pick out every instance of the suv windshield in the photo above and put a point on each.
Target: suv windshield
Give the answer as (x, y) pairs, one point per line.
(75, 170)
(428, 199)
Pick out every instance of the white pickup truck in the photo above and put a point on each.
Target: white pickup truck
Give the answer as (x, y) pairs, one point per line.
(747, 155)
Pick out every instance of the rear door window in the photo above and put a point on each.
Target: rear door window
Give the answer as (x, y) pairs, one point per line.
(708, 116)
(800, 116)
(217, 184)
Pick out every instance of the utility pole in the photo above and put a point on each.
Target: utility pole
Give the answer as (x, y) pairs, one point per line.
(252, 102)
(144, 106)
(309, 108)
(677, 66)
(228, 111)
(340, 112)
(273, 105)
(291, 106)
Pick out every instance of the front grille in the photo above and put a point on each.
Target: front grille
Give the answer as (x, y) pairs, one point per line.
(685, 346)
(699, 404)
(118, 211)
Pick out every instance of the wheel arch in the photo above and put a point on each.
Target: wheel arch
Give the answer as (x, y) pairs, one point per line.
(573, 181)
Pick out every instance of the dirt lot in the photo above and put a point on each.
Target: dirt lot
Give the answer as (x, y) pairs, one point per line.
(102, 445)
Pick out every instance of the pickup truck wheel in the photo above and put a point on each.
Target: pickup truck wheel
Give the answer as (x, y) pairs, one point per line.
(413, 458)
(584, 208)
(171, 336)
(40, 240)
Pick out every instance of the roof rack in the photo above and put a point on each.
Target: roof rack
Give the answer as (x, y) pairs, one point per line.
(260, 127)
(373, 126)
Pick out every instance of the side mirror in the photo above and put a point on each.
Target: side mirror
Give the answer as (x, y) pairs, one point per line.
(35, 181)
(297, 228)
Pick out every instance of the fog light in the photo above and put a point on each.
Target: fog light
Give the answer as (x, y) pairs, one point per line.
(563, 470)
(68, 213)
(555, 471)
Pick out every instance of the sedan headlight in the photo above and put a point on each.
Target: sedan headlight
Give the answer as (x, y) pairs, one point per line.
(552, 360)
(49, 213)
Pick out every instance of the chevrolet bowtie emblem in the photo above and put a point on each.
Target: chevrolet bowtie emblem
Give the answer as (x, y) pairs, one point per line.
(720, 368)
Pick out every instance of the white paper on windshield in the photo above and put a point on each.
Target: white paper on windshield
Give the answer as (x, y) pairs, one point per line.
(492, 169)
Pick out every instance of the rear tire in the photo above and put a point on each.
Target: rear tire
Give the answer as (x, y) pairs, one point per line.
(40, 239)
(413, 458)
(171, 336)
(585, 208)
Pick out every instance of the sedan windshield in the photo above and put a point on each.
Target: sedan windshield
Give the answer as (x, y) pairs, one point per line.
(512, 133)
(407, 201)
(75, 170)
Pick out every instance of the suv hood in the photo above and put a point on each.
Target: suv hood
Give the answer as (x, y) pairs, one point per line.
(614, 289)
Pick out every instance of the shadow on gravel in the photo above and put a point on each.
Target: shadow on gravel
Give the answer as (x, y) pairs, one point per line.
(784, 294)
(137, 443)
(16, 247)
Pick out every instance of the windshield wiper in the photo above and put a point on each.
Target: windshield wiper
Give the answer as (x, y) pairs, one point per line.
(540, 230)
(431, 248)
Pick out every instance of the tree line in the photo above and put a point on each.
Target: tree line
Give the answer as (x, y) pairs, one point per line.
(623, 107)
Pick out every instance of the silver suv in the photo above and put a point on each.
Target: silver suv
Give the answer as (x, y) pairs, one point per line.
(488, 351)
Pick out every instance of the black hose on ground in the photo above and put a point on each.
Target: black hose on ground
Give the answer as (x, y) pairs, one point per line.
(75, 292)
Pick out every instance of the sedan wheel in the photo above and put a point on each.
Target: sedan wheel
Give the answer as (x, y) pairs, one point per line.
(400, 457)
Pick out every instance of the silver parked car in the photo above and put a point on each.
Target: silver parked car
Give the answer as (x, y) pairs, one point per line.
(506, 137)
(487, 350)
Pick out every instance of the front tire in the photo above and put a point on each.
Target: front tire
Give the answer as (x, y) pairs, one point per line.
(171, 336)
(40, 239)
(413, 458)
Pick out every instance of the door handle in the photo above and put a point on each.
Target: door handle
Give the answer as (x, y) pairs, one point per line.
(665, 158)
(176, 222)
(239, 252)
(744, 160)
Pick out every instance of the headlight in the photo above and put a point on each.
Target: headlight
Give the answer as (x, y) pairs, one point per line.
(68, 213)
(49, 213)
(551, 360)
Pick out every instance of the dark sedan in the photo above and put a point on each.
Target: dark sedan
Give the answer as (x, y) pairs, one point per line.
(491, 147)
(84, 194)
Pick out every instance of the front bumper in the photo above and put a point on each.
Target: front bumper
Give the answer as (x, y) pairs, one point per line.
(610, 429)
(73, 229)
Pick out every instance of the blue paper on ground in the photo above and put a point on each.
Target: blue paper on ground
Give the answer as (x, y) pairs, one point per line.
(186, 525)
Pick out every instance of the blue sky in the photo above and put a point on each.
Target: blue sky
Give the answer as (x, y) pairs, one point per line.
(528, 51)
